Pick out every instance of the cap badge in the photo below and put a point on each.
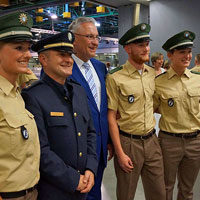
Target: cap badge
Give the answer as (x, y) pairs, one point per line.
(131, 98)
(170, 102)
(69, 36)
(143, 27)
(23, 19)
(186, 34)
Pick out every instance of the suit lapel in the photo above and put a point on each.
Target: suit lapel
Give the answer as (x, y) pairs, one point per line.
(77, 76)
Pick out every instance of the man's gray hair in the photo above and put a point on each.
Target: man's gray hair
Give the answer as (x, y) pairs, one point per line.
(78, 21)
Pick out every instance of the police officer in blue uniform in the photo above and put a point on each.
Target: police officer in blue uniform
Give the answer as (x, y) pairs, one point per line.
(67, 136)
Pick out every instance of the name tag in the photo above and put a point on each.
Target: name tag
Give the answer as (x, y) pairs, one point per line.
(57, 114)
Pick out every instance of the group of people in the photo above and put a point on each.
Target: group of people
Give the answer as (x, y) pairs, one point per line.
(134, 94)
(54, 140)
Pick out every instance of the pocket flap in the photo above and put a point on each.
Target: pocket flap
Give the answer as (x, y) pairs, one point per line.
(193, 93)
(126, 91)
(57, 121)
(169, 96)
(16, 121)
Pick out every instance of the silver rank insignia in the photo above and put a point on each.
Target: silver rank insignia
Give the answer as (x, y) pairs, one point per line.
(131, 98)
(23, 19)
(170, 102)
(69, 36)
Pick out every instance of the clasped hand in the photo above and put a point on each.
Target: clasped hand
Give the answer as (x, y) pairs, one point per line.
(86, 182)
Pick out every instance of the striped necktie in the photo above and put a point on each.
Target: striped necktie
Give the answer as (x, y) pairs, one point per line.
(90, 80)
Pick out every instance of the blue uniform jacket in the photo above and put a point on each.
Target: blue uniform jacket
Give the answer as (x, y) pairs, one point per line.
(99, 117)
(67, 137)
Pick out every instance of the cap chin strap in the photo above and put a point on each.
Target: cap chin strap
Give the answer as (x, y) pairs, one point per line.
(180, 44)
(61, 44)
(15, 33)
(138, 37)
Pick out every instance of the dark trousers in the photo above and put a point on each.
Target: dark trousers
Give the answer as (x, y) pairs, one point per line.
(95, 193)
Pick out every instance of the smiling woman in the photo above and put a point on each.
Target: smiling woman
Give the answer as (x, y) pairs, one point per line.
(19, 149)
(14, 58)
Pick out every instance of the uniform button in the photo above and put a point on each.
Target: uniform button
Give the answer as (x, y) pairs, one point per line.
(80, 154)
(79, 133)
(75, 114)
(78, 171)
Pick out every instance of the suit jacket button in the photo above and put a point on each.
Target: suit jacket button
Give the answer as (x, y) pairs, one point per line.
(80, 154)
(79, 133)
(75, 114)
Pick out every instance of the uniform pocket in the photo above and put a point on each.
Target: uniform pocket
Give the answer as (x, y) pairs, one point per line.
(194, 98)
(18, 145)
(57, 121)
(169, 101)
(128, 97)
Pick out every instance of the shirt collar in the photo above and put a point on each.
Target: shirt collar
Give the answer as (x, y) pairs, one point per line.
(61, 88)
(131, 69)
(79, 62)
(6, 86)
(172, 73)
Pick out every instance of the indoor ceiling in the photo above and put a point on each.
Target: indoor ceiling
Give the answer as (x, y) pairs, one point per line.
(43, 20)
(117, 3)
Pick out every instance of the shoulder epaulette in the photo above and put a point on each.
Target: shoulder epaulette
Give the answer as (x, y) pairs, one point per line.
(161, 74)
(115, 70)
(195, 72)
(34, 84)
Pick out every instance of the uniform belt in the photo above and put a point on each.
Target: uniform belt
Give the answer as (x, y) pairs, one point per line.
(183, 135)
(142, 137)
(9, 195)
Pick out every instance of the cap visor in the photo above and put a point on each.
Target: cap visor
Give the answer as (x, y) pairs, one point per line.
(142, 40)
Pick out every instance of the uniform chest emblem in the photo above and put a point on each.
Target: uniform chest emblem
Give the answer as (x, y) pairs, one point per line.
(24, 133)
(170, 102)
(131, 98)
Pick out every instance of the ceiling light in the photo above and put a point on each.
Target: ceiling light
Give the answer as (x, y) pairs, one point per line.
(54, 16)
(97, 24)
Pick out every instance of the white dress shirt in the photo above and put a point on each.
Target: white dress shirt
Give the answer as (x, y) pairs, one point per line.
(80, 63)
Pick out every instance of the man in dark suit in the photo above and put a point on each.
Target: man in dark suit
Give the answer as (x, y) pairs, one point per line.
(85, 45)
(67, 136)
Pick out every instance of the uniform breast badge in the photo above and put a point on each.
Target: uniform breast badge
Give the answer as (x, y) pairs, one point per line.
(131, 98)
(24, 133)
(170, 102)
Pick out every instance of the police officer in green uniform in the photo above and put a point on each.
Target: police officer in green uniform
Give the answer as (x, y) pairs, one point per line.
(19, 149)
(130, 90)
(177, 98)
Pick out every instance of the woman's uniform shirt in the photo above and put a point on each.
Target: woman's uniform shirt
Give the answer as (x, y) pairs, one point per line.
(19, 143)
(178, 100)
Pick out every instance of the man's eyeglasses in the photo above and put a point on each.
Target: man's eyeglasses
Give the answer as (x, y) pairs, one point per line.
(90, 37)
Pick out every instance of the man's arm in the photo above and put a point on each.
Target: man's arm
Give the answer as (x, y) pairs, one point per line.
(92, 162)
(124, 161)
(156, 102)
